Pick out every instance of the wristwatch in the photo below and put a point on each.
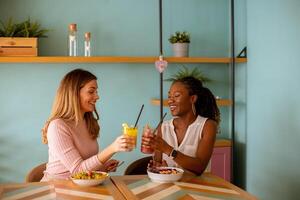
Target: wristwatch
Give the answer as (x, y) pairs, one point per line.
(173, 154)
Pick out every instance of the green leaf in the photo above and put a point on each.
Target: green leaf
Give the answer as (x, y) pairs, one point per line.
(22, 29)
(180, 37)
(184, 72)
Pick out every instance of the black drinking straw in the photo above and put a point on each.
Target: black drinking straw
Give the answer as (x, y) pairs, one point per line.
(137, 120)
(162, 119)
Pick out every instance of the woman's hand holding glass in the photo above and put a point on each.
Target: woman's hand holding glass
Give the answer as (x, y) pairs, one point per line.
(123, 143)
(153, 142)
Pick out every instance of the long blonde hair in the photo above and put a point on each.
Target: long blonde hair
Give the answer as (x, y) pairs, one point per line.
(66, 104)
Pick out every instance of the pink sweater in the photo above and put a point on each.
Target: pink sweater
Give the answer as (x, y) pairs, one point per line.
(70, 150)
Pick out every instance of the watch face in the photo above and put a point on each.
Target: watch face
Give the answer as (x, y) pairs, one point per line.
(174, 153)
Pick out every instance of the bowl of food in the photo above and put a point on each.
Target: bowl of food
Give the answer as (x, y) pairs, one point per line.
(89, 178)
(165, 174)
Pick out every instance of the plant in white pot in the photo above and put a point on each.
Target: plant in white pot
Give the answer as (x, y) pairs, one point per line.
(180, 43)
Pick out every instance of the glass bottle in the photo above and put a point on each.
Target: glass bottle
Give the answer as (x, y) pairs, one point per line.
(73, 46)
(87, 44)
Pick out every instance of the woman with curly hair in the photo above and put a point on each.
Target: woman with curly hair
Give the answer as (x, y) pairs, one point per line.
(187, 140)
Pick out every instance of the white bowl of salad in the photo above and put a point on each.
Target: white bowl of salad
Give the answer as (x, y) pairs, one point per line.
(165, 174)
(89, 178)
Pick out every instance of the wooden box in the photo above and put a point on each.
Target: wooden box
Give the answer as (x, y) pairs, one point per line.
(18, 46)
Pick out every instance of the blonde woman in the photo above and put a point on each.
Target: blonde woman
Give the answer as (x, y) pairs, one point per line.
(72, 129)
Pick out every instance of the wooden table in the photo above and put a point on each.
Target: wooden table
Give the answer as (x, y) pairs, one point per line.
(131, 187)
(62, 189)
(205, 187)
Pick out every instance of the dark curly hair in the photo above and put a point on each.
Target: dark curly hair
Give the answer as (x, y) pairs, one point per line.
(205, 105)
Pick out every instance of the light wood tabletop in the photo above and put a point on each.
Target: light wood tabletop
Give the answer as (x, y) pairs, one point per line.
(59, 189)
(205, 187)
(130, 187)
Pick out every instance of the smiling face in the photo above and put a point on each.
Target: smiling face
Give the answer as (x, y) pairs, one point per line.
(179, 100)
(89, 96)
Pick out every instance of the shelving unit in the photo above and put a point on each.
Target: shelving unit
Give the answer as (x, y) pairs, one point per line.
(220, 102)
(115, 59)
(224, 61)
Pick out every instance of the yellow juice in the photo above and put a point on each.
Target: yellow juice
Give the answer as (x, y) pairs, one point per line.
(131, 131)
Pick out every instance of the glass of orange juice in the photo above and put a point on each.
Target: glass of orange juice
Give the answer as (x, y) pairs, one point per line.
(130, 131)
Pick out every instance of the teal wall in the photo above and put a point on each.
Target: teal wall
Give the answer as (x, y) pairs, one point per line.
(267, 121)
(273, 85)
(119, 28)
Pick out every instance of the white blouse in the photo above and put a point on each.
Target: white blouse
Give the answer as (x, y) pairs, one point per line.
(189, 144)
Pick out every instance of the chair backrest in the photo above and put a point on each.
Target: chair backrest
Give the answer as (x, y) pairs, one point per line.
(138, 167)
(36, 174)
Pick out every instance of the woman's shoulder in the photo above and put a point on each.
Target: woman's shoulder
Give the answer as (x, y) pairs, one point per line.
(59, 127)
(210, 125)
(210, 122)
(59, 123)
(200, 119)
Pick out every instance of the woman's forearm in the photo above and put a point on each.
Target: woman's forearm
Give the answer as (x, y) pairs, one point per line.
(106, 154)
(122, 143)
(195, 165)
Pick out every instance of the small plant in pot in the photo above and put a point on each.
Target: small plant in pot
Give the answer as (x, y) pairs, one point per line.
(180, 43)
(185, 72)
(26, 29)
(20, 39)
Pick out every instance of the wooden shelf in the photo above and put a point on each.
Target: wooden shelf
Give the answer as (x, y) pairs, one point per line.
(203, 60)
(222, 143)
(220, 102)
(113, 59)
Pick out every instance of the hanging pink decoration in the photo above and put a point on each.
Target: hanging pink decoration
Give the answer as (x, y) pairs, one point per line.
(161, 64)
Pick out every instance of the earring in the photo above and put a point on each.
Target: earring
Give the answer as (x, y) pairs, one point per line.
(194, 109)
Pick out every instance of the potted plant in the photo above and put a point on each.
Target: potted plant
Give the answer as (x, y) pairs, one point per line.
(182, 73)
(180, 43)
(20, 39)
(185, 72)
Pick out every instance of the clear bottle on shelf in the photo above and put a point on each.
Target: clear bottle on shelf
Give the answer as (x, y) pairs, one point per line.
(73, 45)
(87, 44)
